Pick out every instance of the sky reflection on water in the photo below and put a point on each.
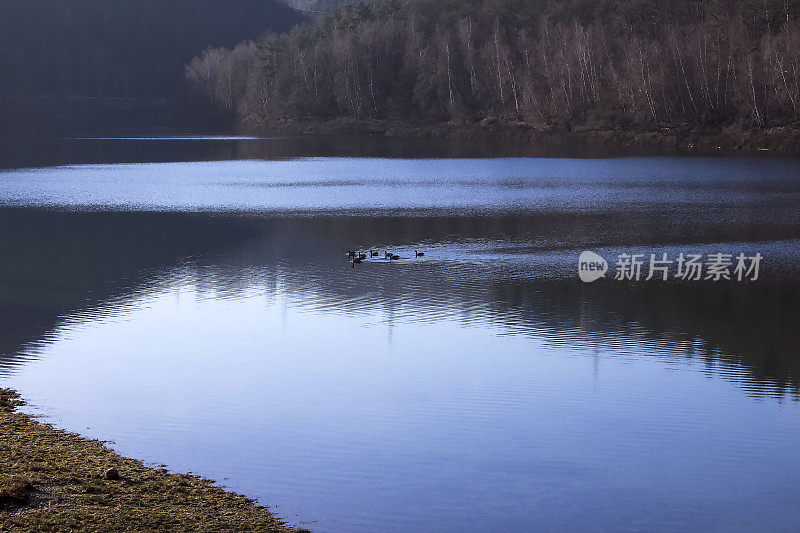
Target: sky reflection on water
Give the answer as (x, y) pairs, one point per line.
(480, 387)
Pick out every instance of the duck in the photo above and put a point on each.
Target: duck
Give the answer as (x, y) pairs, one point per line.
(393, 257)
(362, 256)
(418, 254)
(373, 253)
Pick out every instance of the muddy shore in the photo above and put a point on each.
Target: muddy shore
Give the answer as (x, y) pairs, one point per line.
(51, 480)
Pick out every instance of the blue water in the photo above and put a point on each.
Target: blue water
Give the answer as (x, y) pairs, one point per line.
(205, 316)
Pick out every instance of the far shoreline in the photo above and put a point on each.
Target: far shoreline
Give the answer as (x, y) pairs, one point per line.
(668, 139)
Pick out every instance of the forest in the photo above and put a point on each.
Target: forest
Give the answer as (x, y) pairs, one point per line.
(620, 64)
(64, 63)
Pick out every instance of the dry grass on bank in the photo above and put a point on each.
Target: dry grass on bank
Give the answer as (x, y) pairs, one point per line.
(51, 480)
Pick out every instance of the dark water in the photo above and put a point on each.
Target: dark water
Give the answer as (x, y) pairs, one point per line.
(204, 315)
(18, 152)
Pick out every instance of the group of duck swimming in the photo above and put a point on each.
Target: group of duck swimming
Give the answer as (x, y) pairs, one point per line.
(358, 256)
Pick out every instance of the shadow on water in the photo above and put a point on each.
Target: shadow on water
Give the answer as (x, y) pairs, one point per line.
(57, 263)
(514, 271)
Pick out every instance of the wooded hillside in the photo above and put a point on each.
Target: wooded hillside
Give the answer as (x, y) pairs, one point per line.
(79, 64)
(630, 63)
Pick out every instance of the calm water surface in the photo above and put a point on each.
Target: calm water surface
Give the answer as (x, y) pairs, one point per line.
(204, 316)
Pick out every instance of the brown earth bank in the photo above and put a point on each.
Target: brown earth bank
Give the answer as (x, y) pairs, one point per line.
(782, 139)
(51, 480)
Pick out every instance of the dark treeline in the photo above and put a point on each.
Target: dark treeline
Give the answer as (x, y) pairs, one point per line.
(120, 48)
(629, 63)
(64, 60)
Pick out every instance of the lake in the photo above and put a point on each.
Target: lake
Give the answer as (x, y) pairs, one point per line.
(191, 301)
